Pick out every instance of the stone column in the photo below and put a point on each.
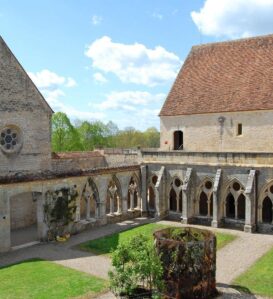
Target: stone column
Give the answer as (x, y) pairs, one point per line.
(42, 227)
(112, 191)
(250, 202)
(5, 228)
(144, 202)
(185, 196)
(97, 210)
(138, 201)
(215, 197)
(132, 189)
(87, 198)
(119, 211)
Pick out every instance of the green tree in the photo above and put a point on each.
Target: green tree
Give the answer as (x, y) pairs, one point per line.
(152, 137)
(64, 136)
(136, 263)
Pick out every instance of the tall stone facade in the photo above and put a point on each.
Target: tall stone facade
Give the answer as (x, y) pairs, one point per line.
(25, 144)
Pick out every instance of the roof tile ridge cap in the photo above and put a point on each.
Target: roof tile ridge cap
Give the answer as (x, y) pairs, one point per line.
(233, 41)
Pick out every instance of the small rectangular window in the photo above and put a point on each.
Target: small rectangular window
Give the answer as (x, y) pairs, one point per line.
(239, 129)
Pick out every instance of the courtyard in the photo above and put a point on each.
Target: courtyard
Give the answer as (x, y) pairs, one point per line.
(236, 253)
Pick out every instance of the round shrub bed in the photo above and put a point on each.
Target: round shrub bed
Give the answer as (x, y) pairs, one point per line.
(188, 256)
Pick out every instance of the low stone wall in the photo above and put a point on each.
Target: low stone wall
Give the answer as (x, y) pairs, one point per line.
(188, 256)
(77, 164)
(122, 217)
(208, 158)
(265, 228)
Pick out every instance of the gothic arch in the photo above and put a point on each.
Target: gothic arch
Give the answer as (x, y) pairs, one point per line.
(114, 196)
(133, 194)
(174, 194)
(234, 200)
(90, 201)
(265, 203)
(205, 198)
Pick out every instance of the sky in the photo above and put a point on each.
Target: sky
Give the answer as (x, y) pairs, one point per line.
(117, 59)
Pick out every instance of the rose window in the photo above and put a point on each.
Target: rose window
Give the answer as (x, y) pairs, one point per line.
(10, 139)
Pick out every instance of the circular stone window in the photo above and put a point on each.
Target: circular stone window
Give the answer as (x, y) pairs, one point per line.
(10, 139)
(208, 184)
(236, 186)
(177, 183)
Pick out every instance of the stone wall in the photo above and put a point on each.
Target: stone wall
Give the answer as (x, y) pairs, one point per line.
(254, 184)
(205, 133)
(77, 164)
(250, 159)
(22, 107)
(23, 203)
(23, 211)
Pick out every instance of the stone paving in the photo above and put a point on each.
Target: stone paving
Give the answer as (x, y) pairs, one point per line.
(232, 260)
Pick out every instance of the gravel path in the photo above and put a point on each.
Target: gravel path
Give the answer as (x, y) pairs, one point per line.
(232, 260)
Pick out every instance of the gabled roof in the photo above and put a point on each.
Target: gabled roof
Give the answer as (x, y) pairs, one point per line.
(224, 77)
(19, 68)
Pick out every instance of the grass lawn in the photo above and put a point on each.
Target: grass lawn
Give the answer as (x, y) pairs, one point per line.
(39, 279)
(258, 279)
(108, 244)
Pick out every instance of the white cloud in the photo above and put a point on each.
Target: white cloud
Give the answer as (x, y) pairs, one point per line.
(157, 16)
(51, 86)
(236, 18)
(96, 20)
(53, 97)
(48, 79)
(134, 63)
(99, 78)
(130, 100)
(70, 82)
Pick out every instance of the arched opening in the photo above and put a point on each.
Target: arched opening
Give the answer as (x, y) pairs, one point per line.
(178, 140)
(151, 199)
(173, 201)
(230, 206)
(132, 197)
(180, 202)
(203, 204)
(267, 210)
(241, 207)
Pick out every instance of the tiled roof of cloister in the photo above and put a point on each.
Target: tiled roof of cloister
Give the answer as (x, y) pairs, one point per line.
(224, 77)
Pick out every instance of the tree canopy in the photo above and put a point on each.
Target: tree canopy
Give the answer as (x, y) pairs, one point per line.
(86, 136)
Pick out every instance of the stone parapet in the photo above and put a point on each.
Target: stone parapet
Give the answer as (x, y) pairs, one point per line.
(208, 158)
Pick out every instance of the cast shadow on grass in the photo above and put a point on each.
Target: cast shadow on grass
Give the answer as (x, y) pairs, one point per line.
(234, 292)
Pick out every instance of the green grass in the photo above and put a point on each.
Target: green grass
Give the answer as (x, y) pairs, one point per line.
(223, 239)
(39, 279)
(258, 279)
(106, 245)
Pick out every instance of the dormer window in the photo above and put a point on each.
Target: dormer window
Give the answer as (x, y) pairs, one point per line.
(239, 129)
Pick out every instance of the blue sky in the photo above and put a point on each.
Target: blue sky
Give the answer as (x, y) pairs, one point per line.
(117, 59)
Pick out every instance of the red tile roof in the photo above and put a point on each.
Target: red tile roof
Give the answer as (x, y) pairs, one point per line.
(76, 155)
(224, 77)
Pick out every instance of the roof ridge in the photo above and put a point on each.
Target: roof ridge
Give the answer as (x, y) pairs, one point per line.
(233, 41)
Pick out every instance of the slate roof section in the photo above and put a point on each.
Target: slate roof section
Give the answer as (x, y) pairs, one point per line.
(224, 77)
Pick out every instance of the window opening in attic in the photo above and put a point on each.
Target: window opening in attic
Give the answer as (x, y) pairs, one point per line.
(178, 140)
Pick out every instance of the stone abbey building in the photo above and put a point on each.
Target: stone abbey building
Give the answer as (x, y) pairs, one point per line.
(214, 165)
